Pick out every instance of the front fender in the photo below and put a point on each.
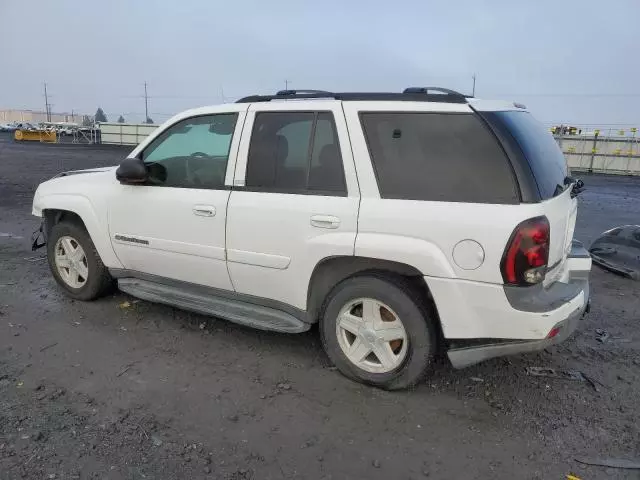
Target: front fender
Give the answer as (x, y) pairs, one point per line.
(420, 254)
(82, 207)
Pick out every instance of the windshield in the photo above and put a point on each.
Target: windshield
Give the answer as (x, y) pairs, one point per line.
(543, 154)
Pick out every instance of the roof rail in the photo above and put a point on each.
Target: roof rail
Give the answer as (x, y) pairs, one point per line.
(287, 94)
(290, 93)
(418, 94)
(439, 90)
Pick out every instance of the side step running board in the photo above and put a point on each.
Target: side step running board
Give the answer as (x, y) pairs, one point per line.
(243, 313)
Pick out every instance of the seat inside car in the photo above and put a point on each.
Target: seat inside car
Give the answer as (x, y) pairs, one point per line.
(327, 174)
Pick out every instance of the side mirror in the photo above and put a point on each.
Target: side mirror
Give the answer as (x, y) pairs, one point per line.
(132, 171)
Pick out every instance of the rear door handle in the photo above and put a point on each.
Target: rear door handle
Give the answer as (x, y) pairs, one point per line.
(325, 221)
(204, 210)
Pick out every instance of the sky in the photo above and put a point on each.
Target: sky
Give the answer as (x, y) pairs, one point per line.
(568, 61)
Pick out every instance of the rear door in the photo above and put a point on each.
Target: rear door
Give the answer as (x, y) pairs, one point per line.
(294, 200)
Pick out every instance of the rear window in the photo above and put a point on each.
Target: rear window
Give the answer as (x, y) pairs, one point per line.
(437, 156)
(543, 155)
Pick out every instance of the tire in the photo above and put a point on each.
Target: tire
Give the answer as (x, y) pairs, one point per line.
(98, 281)
(397, 298)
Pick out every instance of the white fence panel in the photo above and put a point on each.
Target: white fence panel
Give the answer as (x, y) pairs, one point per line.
(611, 154)
(124, 133)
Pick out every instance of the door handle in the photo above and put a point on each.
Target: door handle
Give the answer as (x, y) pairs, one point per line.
(325, 221)
(204, 210)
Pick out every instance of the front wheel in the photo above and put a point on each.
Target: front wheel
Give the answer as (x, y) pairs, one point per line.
(377, 332)
(75, 263)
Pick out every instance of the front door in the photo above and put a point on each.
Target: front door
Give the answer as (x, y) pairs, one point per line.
(294, 201)
(174, 225)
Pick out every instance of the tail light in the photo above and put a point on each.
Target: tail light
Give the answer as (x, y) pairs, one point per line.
(525, 259)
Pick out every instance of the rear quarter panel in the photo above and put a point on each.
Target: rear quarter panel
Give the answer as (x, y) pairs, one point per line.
(420, 233)
(424, 234)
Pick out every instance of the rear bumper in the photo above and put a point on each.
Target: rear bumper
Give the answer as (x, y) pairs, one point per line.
(464, 357)
(482, 321)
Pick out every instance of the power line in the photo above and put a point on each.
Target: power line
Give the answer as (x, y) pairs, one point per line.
(569, 94)
(226, 95)
(603, 125)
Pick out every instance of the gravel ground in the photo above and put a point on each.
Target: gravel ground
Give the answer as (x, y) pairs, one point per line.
(98, 390)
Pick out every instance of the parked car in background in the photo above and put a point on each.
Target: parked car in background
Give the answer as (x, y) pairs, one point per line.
(403, 223)
(65, 128)
(23, 126)
(61, 128)
(8, 127)
(46, 126)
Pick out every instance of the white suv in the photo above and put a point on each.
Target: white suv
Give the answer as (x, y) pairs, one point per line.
(403, 223)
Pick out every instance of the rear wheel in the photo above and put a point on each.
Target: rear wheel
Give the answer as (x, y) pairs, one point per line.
(376, 331)
(75, 263)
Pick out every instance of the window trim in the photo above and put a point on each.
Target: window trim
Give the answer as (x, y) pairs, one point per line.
(224, 186)
(485, 126)
(289, 191)
(305, 191)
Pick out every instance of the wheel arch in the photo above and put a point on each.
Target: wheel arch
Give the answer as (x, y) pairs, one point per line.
(333, 270)
(54, 215)
(78, 210)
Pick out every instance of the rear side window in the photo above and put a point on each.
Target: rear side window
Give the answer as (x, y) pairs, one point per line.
(541, 151)
(439, 157)
(295, 152)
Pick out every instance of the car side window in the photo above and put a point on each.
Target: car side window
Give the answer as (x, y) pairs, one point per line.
(295, 152)
(193, 153)
(438, 157)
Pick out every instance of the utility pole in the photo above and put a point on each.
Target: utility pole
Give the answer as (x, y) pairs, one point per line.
(146, 103)
(286, 84)
(473, 92)
(46, 103)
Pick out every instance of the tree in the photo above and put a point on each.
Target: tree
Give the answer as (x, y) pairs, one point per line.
(149, 120)
(120, 119)
(100, 116)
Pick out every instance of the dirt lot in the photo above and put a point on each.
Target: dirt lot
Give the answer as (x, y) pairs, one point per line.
(95, 390)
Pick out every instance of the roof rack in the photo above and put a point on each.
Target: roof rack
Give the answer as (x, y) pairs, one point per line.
(413, 94)
(439, 90)
(290, 93)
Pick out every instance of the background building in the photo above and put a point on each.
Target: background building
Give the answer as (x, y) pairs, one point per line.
(37, 116)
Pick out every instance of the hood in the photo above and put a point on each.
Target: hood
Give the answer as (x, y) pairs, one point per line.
(96, 182)
(78, 172)
(77, 181)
